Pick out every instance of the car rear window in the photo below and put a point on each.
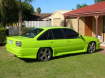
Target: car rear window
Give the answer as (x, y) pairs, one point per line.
(32, 32)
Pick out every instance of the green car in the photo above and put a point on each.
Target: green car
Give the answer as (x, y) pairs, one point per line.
(47, 42)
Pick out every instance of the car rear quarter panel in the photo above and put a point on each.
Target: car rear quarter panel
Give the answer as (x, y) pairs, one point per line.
(92, 39)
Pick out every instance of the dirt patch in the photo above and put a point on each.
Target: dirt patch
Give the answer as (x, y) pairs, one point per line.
(1, 47)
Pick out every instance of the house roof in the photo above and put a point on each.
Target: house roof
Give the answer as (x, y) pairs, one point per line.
(58, 14)
(95, 9)
(42, 15)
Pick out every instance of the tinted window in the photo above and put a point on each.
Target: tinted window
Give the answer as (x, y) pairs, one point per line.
(69, 33)
(58, 34)
(32, 32)
(46, 36)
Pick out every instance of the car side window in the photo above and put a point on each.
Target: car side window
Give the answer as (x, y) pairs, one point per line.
(46, 36)
(57, 34)
(69, 33)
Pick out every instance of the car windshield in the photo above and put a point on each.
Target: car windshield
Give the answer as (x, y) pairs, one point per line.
(32, 32)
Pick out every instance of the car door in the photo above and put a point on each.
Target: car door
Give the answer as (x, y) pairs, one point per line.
(53, 38)
(59, 44)
(46, 39)
(74, 42)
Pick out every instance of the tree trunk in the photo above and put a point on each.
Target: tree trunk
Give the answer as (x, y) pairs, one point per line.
(20, 17)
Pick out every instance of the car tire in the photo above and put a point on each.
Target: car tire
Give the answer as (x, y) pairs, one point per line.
(91, 47)
(44, 54)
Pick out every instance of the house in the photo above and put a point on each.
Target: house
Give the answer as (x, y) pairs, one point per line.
(43, 16)
(57, 18)
(89, 20)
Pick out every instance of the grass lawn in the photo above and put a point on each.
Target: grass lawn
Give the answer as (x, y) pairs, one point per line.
(72, 66)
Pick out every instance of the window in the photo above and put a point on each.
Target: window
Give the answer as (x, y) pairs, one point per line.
(69, 33)
(58, 34)
(46, 36)
(31, 33)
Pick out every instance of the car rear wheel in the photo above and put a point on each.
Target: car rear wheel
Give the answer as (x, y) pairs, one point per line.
(91, 47)
(44, 54)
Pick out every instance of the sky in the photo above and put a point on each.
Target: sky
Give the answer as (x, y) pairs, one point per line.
(49, 6)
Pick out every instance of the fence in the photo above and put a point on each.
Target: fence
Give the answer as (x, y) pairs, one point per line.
(14, 30)
(37, 23)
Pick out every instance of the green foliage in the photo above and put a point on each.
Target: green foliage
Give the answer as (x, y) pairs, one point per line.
(27, 10)
(98, 1)
(81, 5)
(9, 11)
(27, 1)
(2, 35)
(38, 10)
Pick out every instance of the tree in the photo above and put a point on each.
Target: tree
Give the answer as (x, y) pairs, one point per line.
(38, 10)
(27, 10)
(20, 13)
(81, 5)
(98, 1)
(8, 9)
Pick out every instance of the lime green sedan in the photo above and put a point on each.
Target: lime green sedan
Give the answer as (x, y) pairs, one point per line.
(47, 42)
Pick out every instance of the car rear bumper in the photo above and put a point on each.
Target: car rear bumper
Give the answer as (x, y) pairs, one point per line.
(23, 52)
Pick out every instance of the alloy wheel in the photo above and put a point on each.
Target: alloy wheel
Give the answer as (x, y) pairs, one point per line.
(91, 47)
(44, 54)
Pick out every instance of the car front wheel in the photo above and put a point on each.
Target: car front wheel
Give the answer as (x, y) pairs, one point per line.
(91, 47)
(44, 54)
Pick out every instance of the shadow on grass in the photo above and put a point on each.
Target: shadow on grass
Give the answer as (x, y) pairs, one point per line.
(99, 50)
(58, 57)
(28, 60)
(74, 54)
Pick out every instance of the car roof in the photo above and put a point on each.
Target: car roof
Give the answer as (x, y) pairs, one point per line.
(51, 27)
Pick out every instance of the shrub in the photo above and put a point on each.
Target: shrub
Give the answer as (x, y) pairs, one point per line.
(25, 29)
(2, 35)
